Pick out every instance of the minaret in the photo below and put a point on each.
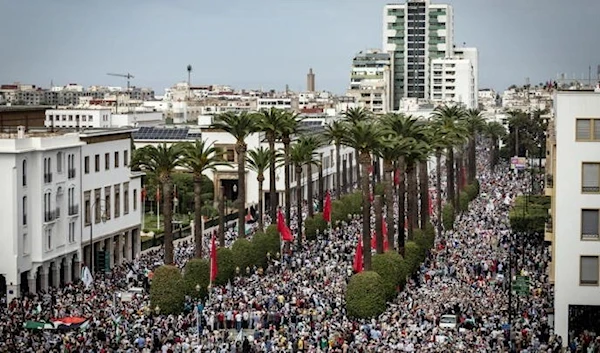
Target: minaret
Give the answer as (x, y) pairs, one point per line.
(310, 81)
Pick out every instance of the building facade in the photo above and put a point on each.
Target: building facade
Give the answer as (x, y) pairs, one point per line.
(573, 181)
(369, 80)
(453, 80)
(415, 33)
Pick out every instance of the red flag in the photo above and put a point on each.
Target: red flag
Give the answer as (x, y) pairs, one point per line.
(371, 197)
(370, 169)
(284, 230)
(373, 240)
(386, 245)
(213, 259)
(327, 208)
(384, 228)
(396, 176)
(143, 193)
(406, 223)
(358, 257)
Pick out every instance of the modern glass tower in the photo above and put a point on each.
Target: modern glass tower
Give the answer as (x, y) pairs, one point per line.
(415, 33)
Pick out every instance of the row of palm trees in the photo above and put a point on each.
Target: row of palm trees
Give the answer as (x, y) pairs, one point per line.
(403, 143)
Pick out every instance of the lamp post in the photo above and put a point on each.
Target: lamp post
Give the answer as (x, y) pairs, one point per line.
(93, 210)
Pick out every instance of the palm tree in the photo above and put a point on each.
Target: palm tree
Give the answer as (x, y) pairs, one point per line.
(494, 131)
(417, 152)
(161, 162)
(312, 143)
(271, 123)
(198, 157)
(259, 160)
(436, 143)
(290, 127)
(300, 155)
(353, 116)
(449, 120)
(364, 137)
(240, 126)
(334, 133)
(475, 124)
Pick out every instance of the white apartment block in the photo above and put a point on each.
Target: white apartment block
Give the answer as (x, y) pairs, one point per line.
(573, 181)
(453, 80)
(99, 118)
(42, 185)
(278, 103)
(414, 34)
(370, 80)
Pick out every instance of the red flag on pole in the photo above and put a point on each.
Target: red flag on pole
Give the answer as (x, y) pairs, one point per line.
(358, 257)
(213, 259)
(396, 176)
(327, 208)
(373, 240)
(284, 230)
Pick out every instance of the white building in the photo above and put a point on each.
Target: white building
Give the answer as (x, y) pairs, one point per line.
(573, 181)
(453, 80)
(370, 80)
(43, 182)
(279, 103)
(99, 118)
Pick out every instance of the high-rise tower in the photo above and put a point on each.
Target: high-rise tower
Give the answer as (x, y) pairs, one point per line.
(310, 81)
(415, 33)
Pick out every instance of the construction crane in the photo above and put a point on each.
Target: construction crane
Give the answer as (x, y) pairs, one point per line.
(128, 76)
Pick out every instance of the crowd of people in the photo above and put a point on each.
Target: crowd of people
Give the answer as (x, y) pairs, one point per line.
(297, 305)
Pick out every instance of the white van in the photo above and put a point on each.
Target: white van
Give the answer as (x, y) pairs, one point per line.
(448, 321)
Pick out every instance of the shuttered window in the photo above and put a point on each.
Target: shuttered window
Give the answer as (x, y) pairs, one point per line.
(589, 224)
(590, 177)
(584, 129)
(589, 270)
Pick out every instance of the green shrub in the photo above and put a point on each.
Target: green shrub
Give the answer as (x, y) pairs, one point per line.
(272, 229)
(471, 191)
(315, 225)
(365, 295)
(244, 254)
(379, 189)
(226, 266)
(390, 267)
(477, 187)
(448, 216)
(529, 213)
(413, 256)
(264, 244)
(166, 290)
(463, 201)
(196, 273)
(422, 241)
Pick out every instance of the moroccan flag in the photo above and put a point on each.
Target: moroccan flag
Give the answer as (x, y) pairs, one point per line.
(386, 244)
(396, 176)
(358, 257)
(384, 228)
(327, 208)
(213, 259)
(284, 230)
(144, 192)
(373, 240)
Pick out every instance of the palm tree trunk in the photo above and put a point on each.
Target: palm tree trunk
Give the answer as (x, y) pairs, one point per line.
(272, 185)
(299, 203)
(365, 161)
(338, 184)
(378, 223)
(222, 219)
(168, 215)
(411, 173)
(457, 179)
(472, 159)
(401, 205)
(309, 190)
(350, 185)
(388, 182)
(241, 200)
(288, 192)
(321, 188)
(261, 202)
(450, 175)
(438, 188)
(424, 194)
(345, 177)
(198, 214)
(358, 172)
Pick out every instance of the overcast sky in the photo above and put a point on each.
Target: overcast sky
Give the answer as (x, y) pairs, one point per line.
(271, 43)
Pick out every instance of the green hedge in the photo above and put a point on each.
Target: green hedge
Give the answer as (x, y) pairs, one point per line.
(265, 244)
(463, 201)
(165, 290)
(272, 229)
(529, 213)
(315, 225)
(350, 204)
(392, 270)
(365, 295)
(196, 273)
(226, 265)
(379, 189)
(413, 255)
(448, 216)
(245, 254)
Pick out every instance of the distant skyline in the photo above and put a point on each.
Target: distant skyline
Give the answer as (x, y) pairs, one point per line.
(270, 43)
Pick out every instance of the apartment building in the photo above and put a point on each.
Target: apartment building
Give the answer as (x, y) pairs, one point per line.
(44, 182)
(369, 80)
(414, 34)
(573, 181)
(453, 81)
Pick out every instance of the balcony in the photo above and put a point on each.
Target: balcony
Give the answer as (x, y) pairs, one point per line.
(549, 184)
(71, 173)
(47, 178)
(52, 216)
(73, 210)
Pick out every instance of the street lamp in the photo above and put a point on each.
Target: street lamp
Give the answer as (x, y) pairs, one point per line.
(103, 217)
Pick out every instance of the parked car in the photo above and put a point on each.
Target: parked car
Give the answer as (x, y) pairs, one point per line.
(448, 321)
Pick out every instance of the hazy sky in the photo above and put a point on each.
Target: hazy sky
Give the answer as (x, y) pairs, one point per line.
(270, 43)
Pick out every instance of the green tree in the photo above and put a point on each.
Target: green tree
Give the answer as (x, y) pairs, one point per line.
(365, 295)
(475, 124)
(334, 133)
(196, 278)
(495, 131)
(240, 126)
(301, 154)
(290, 127)
(165, 290)
(259, 160)
(161, 161)
(353, 116)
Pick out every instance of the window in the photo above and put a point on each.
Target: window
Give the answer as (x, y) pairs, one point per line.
(97, 206)
(126, 158)
(97, 162)
(71, 232)
(117, 200)
(24, 210)
(590, 177)
(106, 161)
(48, 232)
(47, 170)
(125, 198)
(588, 274)
(589, 224)
(24, 173)
(86, 164)
(59, 162)
(107, 192)
(135, 200)
(47, 207)
(587, 129)
(116, 159)
(71, 165)
(25, 245)
(88, 205)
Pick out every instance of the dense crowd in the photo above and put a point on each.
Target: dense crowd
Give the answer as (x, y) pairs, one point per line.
(298, 305)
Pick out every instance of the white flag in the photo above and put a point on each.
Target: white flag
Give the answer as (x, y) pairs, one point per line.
(86, 277)
(240, 336)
